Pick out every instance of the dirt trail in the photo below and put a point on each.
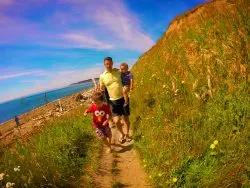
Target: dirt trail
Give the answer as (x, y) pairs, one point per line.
(121, 168)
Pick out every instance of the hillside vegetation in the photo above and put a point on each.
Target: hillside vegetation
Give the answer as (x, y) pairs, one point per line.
(190, 106)
(63, 154)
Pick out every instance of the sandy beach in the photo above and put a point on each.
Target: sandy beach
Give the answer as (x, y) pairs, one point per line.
(33, 120)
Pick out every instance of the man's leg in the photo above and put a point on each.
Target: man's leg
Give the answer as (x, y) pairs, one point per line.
(119, 128)
(127, 127)
(127, 124)
(117, 121)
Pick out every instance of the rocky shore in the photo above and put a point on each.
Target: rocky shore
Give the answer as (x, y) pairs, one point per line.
(33, 120)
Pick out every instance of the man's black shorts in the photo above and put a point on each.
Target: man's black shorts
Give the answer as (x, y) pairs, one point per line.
(118, 109)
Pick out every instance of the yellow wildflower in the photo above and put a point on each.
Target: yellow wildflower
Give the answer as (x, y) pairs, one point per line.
(216, 142)
(212, 146)
(175, 180)
(160, 174)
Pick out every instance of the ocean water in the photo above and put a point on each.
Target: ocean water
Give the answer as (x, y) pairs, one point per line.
(19, 106)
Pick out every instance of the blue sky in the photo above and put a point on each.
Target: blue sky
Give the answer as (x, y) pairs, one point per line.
(47, 44)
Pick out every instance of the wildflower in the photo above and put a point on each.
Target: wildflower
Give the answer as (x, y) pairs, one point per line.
(150, 177)
(212, 146)
(216, 142)
(9, 185)
(1, 176)
(17, 169)
(160, 174)
(144, 160)
(164, 86)
(183, 82)
(144, 166)
(175, 180)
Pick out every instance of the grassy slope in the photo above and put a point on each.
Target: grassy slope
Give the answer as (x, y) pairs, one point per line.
(192, 89)
(56, 157)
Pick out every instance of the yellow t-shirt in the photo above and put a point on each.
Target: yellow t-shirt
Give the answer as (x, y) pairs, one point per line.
(113, 82)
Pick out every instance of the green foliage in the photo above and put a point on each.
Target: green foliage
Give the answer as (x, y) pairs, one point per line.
(56, 157)
(195, 93)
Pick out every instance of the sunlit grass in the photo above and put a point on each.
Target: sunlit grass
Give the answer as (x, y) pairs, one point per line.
(191, 107)
(56, 157)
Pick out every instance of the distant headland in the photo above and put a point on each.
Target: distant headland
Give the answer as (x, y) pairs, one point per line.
(84, 81)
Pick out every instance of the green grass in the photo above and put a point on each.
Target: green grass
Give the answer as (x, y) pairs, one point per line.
(195, 84)
(57, 157)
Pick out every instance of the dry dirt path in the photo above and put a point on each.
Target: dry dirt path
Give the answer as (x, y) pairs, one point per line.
(121, 168)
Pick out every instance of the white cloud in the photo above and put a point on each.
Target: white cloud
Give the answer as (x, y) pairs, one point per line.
(84, 41)
(85, 24)
(125, 26)
(6, 2)
(14, 75)
(114, 21)
(54, 80)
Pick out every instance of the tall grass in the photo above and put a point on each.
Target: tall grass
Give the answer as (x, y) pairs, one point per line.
(195, 93)
(56, 157)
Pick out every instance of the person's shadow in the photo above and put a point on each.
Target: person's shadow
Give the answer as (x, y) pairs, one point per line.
(124, 148)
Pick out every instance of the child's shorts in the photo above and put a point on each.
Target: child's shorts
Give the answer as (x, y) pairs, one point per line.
(126, 88)
(102, 132)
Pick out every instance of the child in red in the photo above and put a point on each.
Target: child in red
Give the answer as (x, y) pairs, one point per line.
(101, 116)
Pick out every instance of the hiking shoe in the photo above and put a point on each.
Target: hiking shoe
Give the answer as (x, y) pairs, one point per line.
(122, 139)
(128, 138)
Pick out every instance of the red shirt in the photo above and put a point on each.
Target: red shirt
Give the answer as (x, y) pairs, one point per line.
(99, 114)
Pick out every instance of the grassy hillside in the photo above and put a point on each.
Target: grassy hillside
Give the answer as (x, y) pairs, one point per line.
(57, 157)
(190, 106)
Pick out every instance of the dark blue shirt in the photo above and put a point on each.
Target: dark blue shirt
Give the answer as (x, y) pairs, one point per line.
(126, 78)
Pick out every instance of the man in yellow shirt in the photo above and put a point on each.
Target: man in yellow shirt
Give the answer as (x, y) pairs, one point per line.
(111, 79)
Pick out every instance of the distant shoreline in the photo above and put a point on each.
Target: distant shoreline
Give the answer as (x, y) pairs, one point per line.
(36, 117)
(45, 104)
(20, 106)
(84, 81)
(47, 91)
